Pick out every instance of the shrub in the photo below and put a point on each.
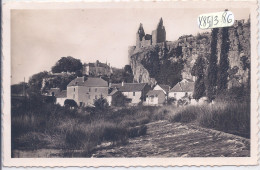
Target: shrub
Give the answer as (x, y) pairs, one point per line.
(101, 104)
(70, 103)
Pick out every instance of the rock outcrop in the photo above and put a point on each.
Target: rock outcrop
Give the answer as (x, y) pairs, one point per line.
(169, 62)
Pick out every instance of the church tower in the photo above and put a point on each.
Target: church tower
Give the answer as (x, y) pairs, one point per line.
(139, 35)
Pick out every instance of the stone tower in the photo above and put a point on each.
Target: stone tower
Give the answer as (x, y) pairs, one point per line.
(159, 35)
(139, 35)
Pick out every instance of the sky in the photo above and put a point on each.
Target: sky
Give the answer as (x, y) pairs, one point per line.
(39, 38)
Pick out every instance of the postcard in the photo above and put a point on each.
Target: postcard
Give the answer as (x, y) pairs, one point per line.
(155, 83)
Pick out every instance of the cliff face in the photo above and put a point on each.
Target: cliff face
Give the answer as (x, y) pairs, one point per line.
(169, 62)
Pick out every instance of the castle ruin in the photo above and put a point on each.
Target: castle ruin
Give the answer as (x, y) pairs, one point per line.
(145, 40)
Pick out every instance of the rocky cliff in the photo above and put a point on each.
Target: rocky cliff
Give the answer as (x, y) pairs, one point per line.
(169, 62)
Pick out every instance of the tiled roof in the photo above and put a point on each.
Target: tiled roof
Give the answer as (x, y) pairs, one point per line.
(183, 86)
(155, 93)
(77, 81)
(62, 94)
(90, 82)
(129, 87)
(166, 88)
(53, 90)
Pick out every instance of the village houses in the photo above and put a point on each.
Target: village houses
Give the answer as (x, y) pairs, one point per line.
(155, 98)
(61, 97)
(182, 89)
(136, 92)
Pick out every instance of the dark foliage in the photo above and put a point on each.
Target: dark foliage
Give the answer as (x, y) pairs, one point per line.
(212, 70)
(67, 64)
(70, 103)
(224, 62)
(120, 100)
(161, 67)
(199, 72)
(101, 104)
(35, 82)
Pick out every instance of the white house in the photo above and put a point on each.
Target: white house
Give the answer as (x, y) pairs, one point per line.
(182, 89)
(136, 92)
(155, 98)
(61, 97)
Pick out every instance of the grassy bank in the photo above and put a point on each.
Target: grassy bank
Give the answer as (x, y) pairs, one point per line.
(56, 127)
(229, 117)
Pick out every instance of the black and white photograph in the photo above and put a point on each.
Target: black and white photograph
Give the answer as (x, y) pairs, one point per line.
(131, 83)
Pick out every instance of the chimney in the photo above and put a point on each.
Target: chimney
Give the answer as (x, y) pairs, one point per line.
(122, 83)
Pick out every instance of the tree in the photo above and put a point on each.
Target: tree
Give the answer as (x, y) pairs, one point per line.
(120, 100)
(198, 71)
(223, 62)
(212, 70)
(101, 103)
(35, 82)
(70, 103)
(67, 64)
(128, 74)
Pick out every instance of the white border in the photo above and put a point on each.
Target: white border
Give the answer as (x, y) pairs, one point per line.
(96, 162)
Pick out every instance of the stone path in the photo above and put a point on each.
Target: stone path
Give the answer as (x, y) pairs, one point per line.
(165, 139)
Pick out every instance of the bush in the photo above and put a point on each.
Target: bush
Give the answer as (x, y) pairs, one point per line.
(101, 104)
(70, 103)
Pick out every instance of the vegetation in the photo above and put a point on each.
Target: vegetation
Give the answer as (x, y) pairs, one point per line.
(56, 127)
(199, 72)
(67, 64)
(120, 100)
(230, 113)
(223, 62)
(212, 70)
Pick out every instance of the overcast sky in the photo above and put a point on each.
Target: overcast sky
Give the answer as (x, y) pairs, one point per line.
(39, 38)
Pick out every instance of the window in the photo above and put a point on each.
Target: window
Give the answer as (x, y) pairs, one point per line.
(95, 89)
(133, 93)
(89, 89)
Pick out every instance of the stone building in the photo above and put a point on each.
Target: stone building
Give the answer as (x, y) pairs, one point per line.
(86, 90)
(97, 69)
(155, 98)
(136, 92)
(145, 40)
(182, 89)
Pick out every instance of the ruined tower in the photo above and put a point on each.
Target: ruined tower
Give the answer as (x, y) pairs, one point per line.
(159, 35)
(139, 35)
(145, 40)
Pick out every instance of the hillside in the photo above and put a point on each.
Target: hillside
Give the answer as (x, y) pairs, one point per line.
(170, 62)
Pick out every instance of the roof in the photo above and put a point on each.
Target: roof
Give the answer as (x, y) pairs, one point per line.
(183, 86)
(114, 91)
(166, 88)
(129, 87)
(62, 94)
(89, 82)
(53, 90)
(155, 93)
